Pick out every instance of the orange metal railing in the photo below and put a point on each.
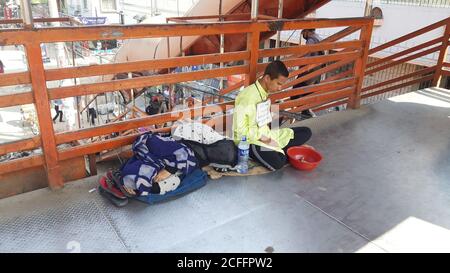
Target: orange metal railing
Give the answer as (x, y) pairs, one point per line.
(343, 88)
(433, 73)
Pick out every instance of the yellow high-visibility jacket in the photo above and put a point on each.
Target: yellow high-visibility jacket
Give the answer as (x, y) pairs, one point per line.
(244, 120)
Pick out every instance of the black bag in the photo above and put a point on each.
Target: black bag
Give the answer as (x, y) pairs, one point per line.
(223, 152)
(153, 108)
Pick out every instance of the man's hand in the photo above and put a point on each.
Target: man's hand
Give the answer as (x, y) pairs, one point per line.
(264, 139)
(268, 141)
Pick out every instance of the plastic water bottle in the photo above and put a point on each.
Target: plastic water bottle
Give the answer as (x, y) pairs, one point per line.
(243, 153)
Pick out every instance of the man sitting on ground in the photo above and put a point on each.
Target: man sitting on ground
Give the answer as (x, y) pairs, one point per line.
(252, 115)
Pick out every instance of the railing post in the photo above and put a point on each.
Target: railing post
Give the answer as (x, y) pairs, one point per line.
(41, 100)
(280, 16)
(253, 47)
(360, 65)
(442, 55)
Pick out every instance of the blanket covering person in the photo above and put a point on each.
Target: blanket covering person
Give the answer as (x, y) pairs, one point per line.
(153, 153)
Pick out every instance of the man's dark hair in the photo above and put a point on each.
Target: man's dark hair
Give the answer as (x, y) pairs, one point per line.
(275, 69)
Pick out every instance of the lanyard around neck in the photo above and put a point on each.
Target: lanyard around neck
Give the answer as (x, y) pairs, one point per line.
(259, 92)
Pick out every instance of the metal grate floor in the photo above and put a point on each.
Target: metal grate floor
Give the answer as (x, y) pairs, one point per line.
(384, 164)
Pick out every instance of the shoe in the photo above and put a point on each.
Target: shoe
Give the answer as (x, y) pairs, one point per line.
(114, 200)
(114, 176)
(109, 186)
(313, 115)
(308, 114)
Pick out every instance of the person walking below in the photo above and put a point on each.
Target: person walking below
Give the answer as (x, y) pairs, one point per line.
(58, 105)
(92, 115)
(311, 38)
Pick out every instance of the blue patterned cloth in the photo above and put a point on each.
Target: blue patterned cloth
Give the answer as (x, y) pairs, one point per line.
(153, 153)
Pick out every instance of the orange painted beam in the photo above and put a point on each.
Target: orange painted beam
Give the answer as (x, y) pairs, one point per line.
(409, 36)
(360, 65)
(318, 99)
(16, 99)
(20, 145)
(442, 55)
(316, 88)
(17, 165)
(401, 78)
(14, 78)
(305, 49)
(145, 81)
(85, 33)
(39, 88)
(107, 69)
(371, 94)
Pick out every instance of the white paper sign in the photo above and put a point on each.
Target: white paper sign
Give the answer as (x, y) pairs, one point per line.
(263, 114)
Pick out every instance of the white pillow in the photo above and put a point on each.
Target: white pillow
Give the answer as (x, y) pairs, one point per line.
(196, 131)
(169, 184)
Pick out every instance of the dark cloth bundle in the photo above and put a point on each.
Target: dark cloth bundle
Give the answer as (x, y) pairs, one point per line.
(222, 152)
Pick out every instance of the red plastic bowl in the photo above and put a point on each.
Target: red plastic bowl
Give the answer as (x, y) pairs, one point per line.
(304, 158)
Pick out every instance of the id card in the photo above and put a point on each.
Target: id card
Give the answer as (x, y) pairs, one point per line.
(263, 114)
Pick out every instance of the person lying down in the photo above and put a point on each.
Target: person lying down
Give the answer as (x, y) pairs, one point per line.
(159, 163)
(157, 166)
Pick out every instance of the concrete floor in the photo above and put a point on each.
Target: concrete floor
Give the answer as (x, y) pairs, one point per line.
(384, 186)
